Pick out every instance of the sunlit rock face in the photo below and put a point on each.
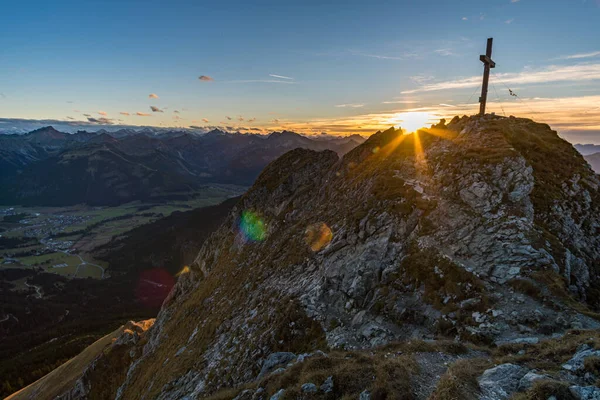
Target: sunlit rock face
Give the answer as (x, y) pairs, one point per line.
(406, 236)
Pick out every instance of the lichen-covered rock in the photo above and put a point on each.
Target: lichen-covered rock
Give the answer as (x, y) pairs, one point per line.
(274, 360)
(309, 388)
(500, 382)
(327, 386)
(527, 381)
(585, 392)
(576, 363)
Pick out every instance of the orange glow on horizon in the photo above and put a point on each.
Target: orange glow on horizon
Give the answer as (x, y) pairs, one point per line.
(411, 121)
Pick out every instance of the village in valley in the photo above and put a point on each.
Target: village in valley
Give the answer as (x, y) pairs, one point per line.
(42, 240)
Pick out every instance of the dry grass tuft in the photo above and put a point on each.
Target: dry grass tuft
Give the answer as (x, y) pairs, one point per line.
(460, 381)
(543, 389)
(547, 355)
(592, 365)
(385, 375)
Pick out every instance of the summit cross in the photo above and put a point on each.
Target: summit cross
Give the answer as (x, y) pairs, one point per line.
(487, 64)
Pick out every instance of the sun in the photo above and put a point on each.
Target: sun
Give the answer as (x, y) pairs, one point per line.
(411, 121)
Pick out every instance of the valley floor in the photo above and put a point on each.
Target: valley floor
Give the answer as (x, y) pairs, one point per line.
(50, 309)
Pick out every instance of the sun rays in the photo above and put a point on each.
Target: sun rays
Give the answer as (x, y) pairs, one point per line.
(411, 121)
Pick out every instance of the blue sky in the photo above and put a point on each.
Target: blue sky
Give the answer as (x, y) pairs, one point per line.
(355, 66)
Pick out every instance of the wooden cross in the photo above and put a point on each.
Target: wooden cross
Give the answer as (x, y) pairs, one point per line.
(487, 64)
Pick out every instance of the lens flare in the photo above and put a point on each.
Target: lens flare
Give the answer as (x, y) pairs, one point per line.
(153, 286)
(252, 227)
(317, 236)
(375, 150)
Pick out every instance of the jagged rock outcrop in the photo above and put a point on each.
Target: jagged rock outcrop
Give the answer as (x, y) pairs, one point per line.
(485, 229)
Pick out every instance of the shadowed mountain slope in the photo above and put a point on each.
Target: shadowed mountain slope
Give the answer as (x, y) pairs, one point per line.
(47, 167)
(169, 243)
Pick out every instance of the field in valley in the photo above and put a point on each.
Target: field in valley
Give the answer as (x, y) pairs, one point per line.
(59, 240)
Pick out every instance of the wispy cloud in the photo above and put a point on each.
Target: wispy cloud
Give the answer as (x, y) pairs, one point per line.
(509, 21)
(281, 77)
(553, 73)
(155, 109)
(124, 113)
(514, 1)
(399, 102)
(252, 120)
(101, 121)
(102, 112)
(176, 111)
(205, 120)
(262, 81)
(141, 114)
(465, 18)
(384, 57)
(350, 105)
(240, 118)
(445, 52)
(205, 78)
(591, 54)
(228, 117)
(86, 115)
(153, 96)
(422, 78)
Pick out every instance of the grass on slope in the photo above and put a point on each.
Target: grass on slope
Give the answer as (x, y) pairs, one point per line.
(62, 378)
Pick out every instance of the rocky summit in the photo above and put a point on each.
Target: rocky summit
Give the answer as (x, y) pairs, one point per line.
(457, 262)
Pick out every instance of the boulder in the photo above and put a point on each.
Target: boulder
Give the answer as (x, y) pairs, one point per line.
(275, 359)
(585, 392)
(309, 388)
(576, 363)
(327, 386)
(527, 381)
(500, 382)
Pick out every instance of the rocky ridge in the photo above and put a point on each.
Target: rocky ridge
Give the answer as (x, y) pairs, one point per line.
(464, 231)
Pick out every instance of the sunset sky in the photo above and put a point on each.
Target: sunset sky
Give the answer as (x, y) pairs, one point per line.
(339, 67)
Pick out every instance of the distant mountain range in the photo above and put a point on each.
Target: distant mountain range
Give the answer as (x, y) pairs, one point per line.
(49, 167)
(591, 153)
(594, 161)
(587, 149)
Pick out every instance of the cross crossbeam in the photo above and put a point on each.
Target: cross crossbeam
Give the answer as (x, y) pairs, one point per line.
(487, 64)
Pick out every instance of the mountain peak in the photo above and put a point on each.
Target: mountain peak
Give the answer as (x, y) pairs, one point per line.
(47, 136)
(285, 134)
(407, 235)
(46, 131)
(463, 231)
(215, 132)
